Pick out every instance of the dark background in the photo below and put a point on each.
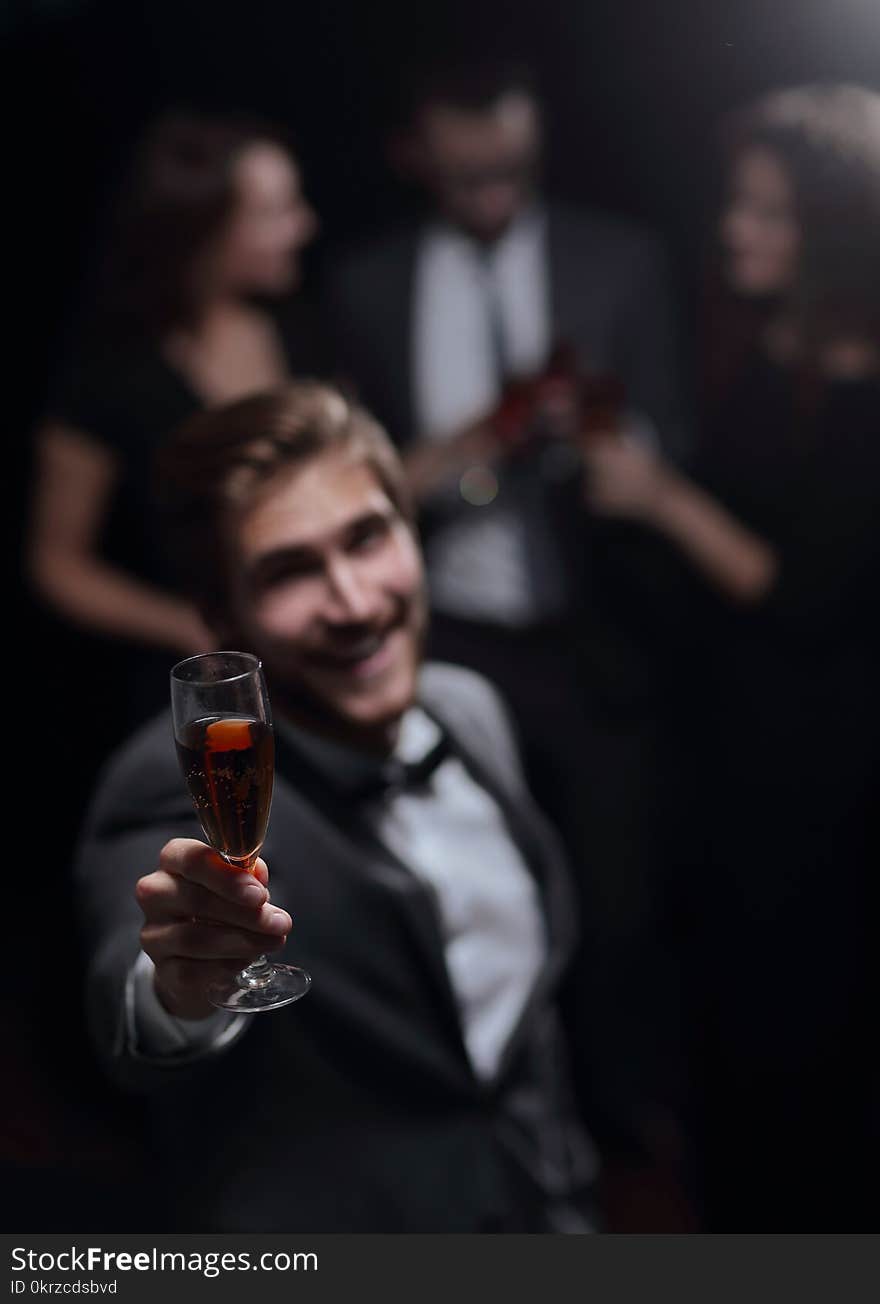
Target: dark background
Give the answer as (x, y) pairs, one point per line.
(634, 90)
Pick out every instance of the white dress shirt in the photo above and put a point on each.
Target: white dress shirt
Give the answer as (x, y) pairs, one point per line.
(458, 285)
(478, 309)
(451, 834)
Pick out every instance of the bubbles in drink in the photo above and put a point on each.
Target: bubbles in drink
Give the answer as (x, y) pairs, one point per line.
(228, 765)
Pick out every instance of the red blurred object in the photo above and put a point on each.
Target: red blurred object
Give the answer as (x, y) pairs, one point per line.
(512, 417)
(561, 402)
(602, 401)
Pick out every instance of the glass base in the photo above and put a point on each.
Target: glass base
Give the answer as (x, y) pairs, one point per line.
(268, 989)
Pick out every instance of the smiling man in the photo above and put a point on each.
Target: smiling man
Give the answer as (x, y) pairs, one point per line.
(421, 1085)
(327, 583)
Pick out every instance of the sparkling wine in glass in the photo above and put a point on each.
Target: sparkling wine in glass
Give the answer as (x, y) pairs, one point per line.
(226, 749)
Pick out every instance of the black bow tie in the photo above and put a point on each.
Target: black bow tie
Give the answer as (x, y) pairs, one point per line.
(404, 776)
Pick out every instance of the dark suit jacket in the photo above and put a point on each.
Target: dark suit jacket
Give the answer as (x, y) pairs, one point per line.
(609, 299)
(355, 1109)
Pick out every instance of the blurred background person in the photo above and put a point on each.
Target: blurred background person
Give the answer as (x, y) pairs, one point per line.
(495, 273)
(779, 524)
(435, 321)
(192, 309)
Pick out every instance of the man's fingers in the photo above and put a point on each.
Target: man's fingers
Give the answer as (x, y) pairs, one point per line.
(195, 941)
(163, 898)
(198, 863)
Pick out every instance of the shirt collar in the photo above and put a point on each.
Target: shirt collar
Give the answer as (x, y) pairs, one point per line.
(526, 226)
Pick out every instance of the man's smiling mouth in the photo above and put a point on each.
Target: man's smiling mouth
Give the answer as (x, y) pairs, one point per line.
(366, 655)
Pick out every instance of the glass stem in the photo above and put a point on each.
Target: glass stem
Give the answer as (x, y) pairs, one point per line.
(257, 974)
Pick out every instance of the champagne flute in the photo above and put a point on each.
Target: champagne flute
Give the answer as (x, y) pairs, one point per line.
(226, 749)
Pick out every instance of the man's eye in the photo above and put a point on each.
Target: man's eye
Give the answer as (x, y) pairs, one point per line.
(368, 534)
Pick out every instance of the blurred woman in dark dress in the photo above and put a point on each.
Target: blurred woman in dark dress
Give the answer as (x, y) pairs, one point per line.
(778, 526)
(206, 246)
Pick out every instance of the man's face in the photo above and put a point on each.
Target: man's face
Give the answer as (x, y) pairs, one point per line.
(479, 165)
(327, 589)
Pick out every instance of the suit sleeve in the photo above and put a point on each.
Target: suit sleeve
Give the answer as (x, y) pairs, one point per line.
(342, 301)
(649, 346)
(366, 296)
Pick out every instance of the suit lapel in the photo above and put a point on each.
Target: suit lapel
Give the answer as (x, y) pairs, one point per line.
(543, 858)
(563, 308)
(576, 306)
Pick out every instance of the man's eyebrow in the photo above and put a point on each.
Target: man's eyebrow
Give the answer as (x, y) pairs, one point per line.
(305, 553)
(287, 553)
(383, 513)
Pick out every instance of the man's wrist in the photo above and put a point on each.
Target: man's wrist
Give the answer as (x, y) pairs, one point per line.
(155, 1032)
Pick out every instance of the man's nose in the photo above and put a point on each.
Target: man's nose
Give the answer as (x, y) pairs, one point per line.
(350, 597)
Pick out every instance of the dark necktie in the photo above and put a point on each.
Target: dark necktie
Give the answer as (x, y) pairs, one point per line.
(397, 775)
(495, 318)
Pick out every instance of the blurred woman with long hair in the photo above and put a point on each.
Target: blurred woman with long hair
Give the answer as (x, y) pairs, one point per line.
(777, 523)
(206, 243)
